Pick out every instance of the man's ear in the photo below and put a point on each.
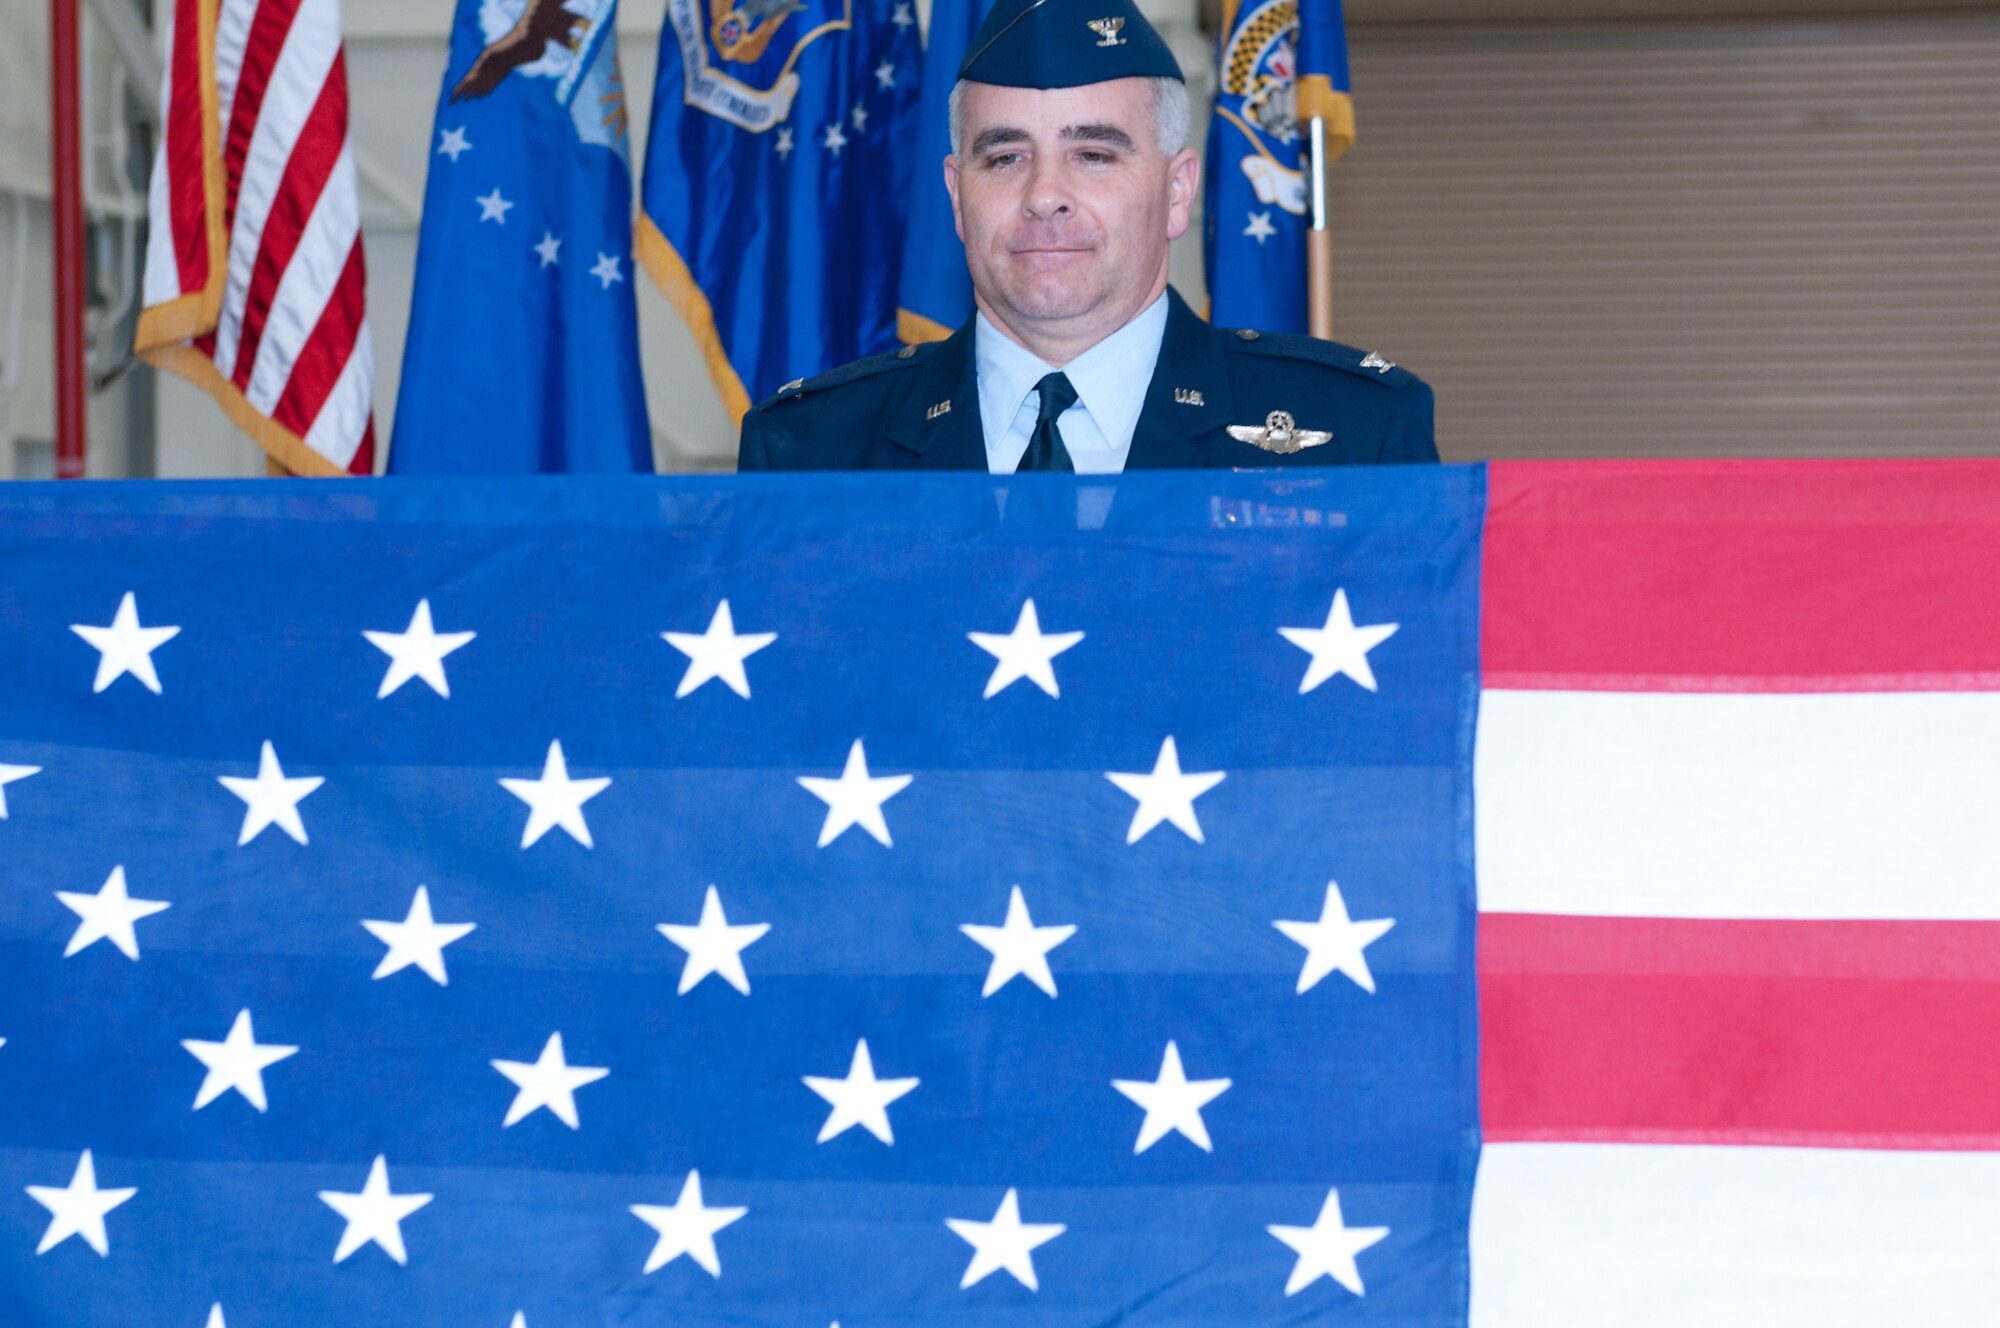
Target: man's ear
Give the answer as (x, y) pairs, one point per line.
(1183, 182)
(951, 187)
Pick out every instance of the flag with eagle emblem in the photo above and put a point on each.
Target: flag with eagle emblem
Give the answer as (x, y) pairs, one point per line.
(523, 350)
(1280, 63)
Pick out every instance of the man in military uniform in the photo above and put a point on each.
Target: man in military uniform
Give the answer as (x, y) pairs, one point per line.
(1069, 176)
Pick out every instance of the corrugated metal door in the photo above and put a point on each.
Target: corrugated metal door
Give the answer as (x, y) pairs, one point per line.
(1683, 239)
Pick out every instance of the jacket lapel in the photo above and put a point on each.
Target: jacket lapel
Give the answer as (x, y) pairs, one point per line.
(1189, 394)
(1187, 397)
(939, 416)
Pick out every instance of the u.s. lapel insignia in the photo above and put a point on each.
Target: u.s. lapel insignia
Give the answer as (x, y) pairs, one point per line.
(1374, 360)
(1107, 28)
(942, 408)
(1280, 433)
(1188, 396)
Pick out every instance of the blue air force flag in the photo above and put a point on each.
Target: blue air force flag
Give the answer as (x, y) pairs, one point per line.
(936, 291)
(1280, 63)
(523, 350)
(778, 173)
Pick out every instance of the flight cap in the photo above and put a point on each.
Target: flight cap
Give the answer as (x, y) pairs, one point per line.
(1066, 44)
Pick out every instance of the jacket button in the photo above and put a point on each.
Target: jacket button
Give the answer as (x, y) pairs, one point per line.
(1247, 333)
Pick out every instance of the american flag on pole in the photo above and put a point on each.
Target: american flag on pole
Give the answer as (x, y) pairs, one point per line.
(1524, 895)
(255, 280)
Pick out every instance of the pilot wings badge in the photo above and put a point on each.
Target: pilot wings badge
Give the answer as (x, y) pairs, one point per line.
(1279, 434)
(739, 63)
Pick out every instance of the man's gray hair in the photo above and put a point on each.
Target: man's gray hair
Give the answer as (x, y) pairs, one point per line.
(1170, 115)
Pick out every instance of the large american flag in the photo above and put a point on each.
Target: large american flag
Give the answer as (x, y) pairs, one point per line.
(255, 280)
(944, 899)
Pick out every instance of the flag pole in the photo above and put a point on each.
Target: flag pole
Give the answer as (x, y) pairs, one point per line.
(1319, 242)
(66, 215)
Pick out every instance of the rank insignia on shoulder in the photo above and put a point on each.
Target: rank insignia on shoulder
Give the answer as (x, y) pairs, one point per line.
(1188, 396)
(1279, 434)
(792, 386)
(942, 408)
(1107, 29)
(1373, 360)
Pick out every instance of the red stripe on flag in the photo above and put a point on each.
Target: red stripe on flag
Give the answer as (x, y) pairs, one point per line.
(1818, 1033)
(306, 172)
(325, 353)
(1749, 576)
(269, 27)
(187, 194)
(363, 462)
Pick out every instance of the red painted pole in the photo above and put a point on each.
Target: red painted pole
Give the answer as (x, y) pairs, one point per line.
(65, 117)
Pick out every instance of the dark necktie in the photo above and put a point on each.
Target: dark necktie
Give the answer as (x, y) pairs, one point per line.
(1045, 445)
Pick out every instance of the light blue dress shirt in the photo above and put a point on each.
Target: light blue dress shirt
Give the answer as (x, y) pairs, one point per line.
(1110, 379)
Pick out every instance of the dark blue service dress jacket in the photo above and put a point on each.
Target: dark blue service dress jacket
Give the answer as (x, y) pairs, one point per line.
(918, 408)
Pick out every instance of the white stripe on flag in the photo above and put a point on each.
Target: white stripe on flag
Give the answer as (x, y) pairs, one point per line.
(162, 282)
(232, 36)
(301, 72)
(1632, 1236)
(1853, 805)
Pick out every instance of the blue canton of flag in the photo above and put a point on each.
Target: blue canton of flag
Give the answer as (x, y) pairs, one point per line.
(523, 349)
(718, 903)
(936, 293)
(777, 184)
(1279, 63)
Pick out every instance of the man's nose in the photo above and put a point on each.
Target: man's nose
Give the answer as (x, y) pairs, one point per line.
(1048, 193)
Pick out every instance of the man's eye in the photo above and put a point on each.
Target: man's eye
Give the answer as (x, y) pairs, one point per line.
(1002, 159)
(1092, 157)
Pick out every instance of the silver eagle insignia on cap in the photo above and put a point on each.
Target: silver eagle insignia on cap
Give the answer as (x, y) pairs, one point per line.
(1280, 433)
(1107, 28)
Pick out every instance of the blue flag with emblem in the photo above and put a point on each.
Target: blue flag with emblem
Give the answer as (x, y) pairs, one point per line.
(1279, 64)
(777, 185)
(707, 902)
(936, 291)
(523, 346)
